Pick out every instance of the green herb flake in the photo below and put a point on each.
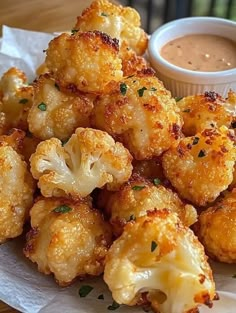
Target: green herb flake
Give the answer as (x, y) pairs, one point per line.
(85, 290)
(138, 187)
(63, 142)
(42, 106)
(153, 89)
(113, 306)
(57, 86)
(123, 88)
(177, 99)
(201, 153)
(141, 91)
(156, 181)
(74, 31)
(101, 297)
(195, 140)
(23, 101)
(132, 218)
(104, 14)
(186, 110)
(153, 246)
(62, 209)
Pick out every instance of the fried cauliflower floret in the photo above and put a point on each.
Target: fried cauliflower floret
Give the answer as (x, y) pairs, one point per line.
(138, 196)
(55, 113)
(118, 22)
(217, 229)
(141, 114)
(160, 261)
(201, 167)
(68, 239)
(204, 112)
(15, 100)
(90, 159)
(16, 192)
(87, 61)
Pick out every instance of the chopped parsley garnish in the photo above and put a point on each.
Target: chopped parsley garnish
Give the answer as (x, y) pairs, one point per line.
(62, 209)
(101, 297)
(85, 290)
(104, 14)
(23, 101)
(113, 306)
(63, 142)
(132, 218)
(186, 110)
(153, 246)
(42, 106)
(156, 181)
(153, 89)
(141, 91)
(57, 86)
(138, 187)
(123, 88)
(178, 98)
(201, 153)
(74, 31)
(195, 140)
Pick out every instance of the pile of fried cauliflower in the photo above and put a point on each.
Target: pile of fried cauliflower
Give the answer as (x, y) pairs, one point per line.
(111, 171)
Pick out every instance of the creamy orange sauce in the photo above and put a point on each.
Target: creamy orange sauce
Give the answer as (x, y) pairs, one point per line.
(207, 53)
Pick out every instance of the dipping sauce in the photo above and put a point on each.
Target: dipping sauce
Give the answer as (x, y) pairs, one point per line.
(207, 53)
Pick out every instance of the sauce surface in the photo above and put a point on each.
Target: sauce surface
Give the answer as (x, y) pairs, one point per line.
(200, 52)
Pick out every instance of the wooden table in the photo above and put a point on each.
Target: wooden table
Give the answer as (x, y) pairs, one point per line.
(39, 15)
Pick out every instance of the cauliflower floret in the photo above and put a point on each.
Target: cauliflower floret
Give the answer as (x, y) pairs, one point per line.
(216, 229)
(68, 238)
(90, 159)
(201, 167)
(15, 100)
(160, 261)
(55, 113)
(138, 196)
(141, 114)
(118, 22)
(204, 112)
(16, 192)
(87, 61)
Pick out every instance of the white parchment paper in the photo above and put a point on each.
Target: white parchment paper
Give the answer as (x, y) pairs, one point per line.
(27, 290)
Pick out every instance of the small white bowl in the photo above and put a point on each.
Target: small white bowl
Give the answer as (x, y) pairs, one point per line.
(183, 82)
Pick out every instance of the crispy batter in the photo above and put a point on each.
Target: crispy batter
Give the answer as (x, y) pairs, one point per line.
(70, 243)
(15, 100)
(156, 260)
(118, 22)
(87, 61)
(138, 196)
(90, 159)
(200, 167)
(217, 229)
(63, 111)
(141, 114)
(209, 110)
(16, 191)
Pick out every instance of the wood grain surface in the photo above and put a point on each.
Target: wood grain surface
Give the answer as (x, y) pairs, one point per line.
(39, 15)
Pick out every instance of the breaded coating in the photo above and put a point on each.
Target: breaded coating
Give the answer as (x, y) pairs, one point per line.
(56, 113)
(150, 169)
(90, 159)
(201, 167)
(16, 192)
(122, 23)
(15, 100)
(141, 114)
(69, 239)
(216, 229)
(138, 196)
(159, 261)
(205, 111)
(85, 61)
